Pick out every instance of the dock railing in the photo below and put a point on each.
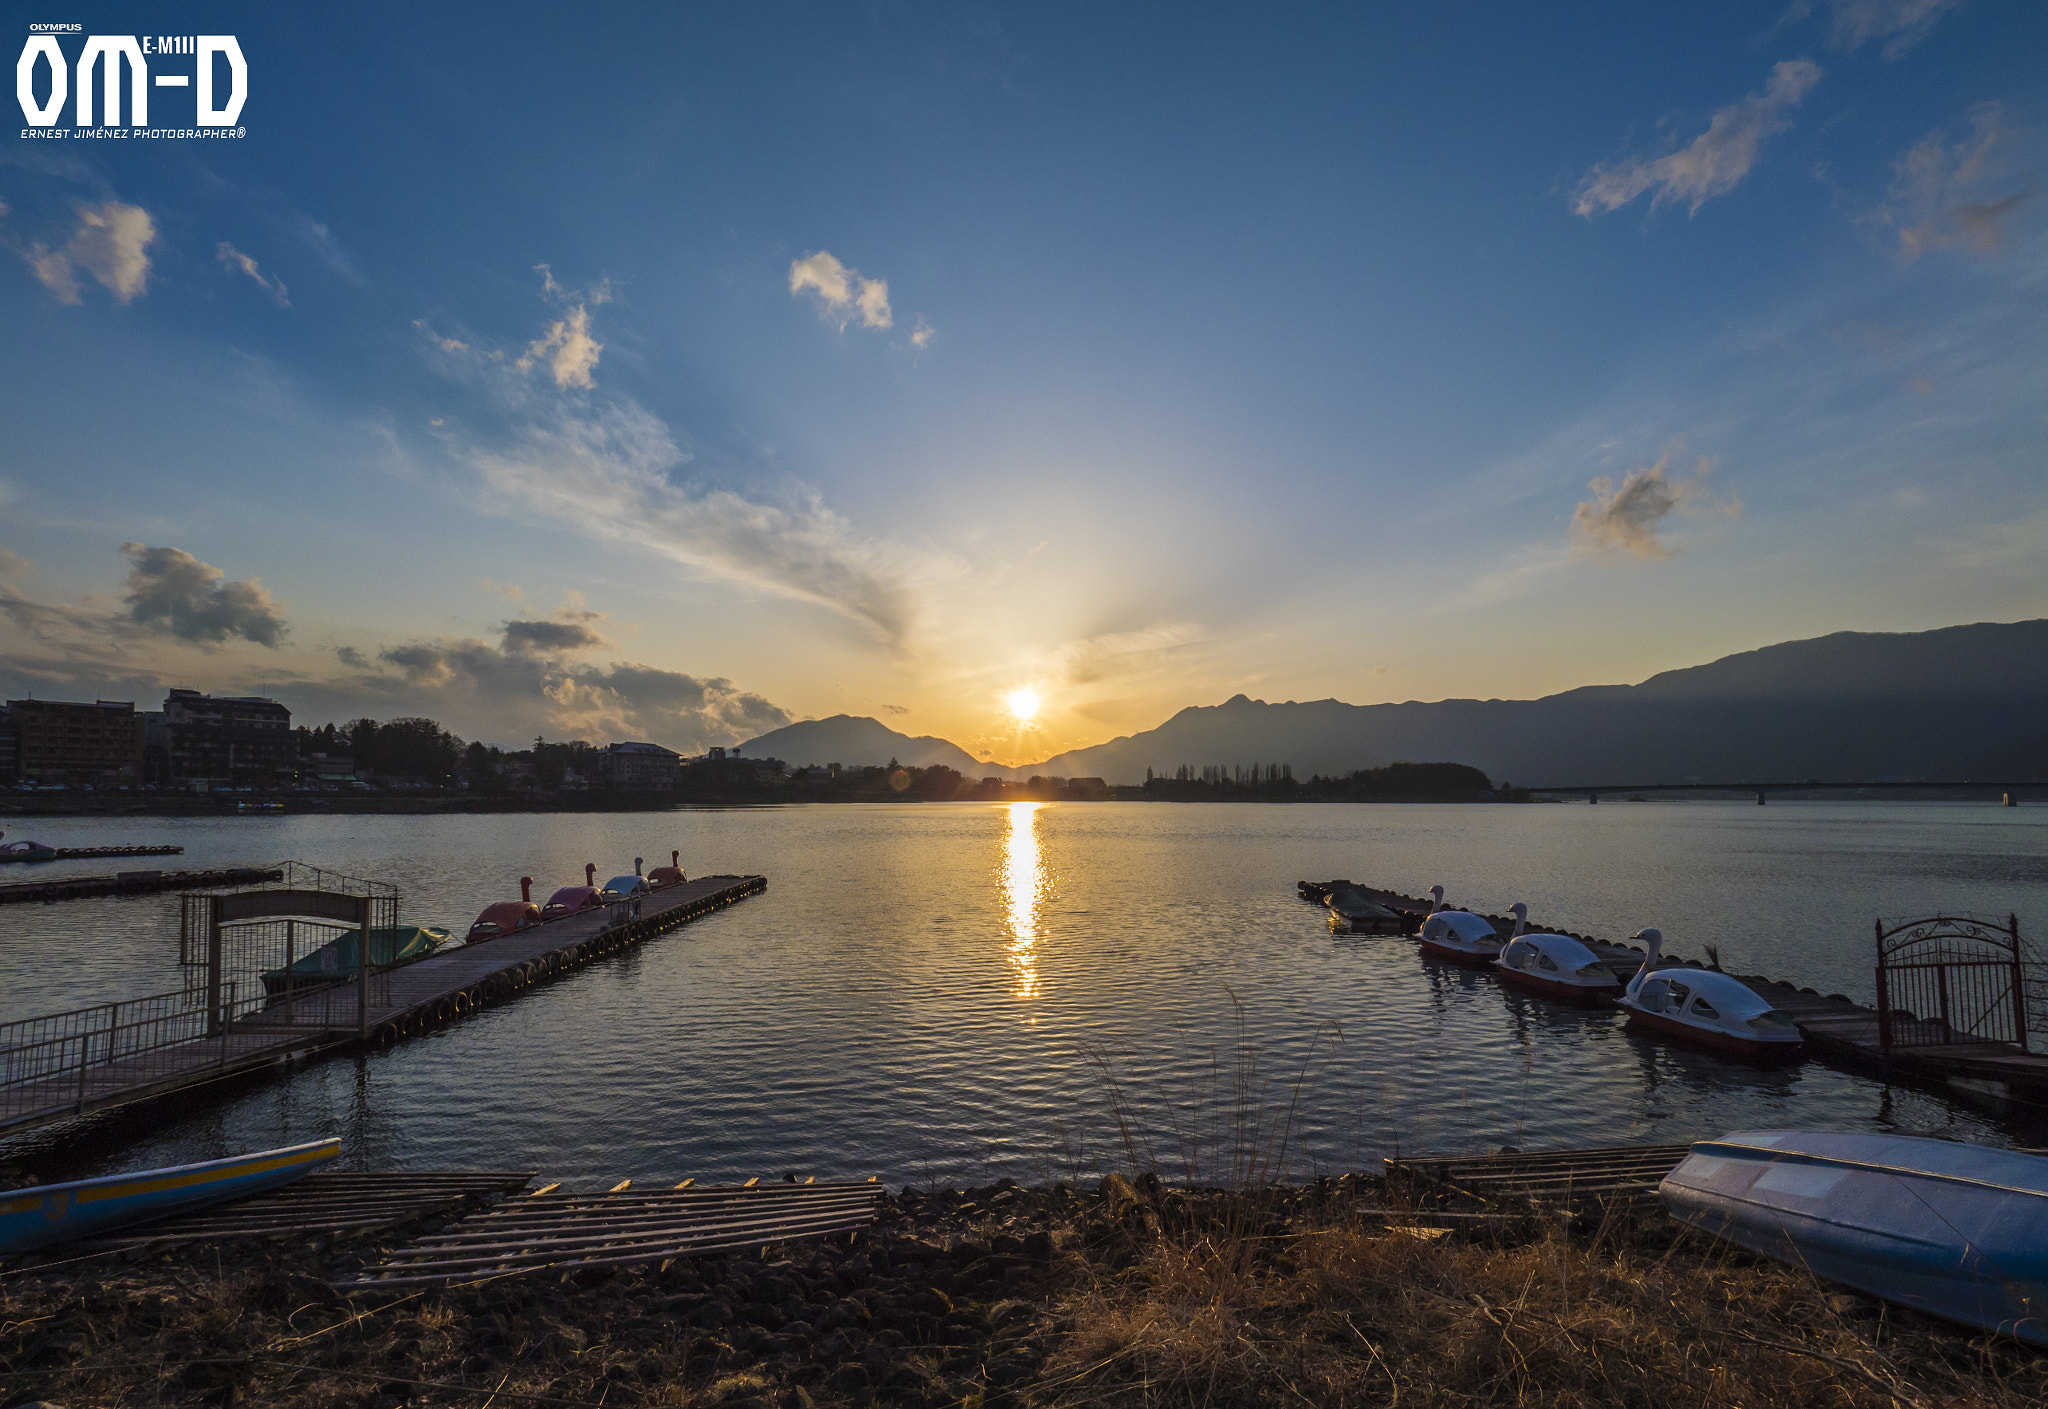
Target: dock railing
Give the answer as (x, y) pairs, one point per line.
(49, 1062)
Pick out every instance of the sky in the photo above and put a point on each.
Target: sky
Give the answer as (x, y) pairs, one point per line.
(678, 372)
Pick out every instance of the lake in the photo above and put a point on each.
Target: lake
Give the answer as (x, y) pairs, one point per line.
(961, 991)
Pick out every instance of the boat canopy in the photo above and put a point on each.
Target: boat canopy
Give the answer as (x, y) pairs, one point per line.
(1459, 924)
(1727, 995)
(665, 876)
(1561, 949)
(628, 884)
(574, 898)
(506, 916)
(336, 959)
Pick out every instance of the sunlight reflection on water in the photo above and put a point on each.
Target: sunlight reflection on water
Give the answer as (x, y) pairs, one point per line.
(1023, 889)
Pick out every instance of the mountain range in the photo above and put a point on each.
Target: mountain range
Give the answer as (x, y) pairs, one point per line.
(1954, 703)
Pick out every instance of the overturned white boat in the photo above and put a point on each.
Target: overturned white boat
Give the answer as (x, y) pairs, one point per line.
(1957, 1231)
(1461, 937)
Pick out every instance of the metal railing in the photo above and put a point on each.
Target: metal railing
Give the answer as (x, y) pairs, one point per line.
(48, 1064)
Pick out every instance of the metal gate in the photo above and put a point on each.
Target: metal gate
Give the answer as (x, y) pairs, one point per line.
(304, 956)
(1951, 979)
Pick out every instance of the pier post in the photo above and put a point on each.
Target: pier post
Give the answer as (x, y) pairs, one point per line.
(363, 968)
(215, 1018)
(1759, 797)
(1592, 797)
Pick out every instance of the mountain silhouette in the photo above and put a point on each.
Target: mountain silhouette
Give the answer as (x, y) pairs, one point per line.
(1951, 704)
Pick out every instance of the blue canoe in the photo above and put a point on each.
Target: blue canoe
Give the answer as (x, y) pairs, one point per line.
(59, 1213)
(1957, 1231)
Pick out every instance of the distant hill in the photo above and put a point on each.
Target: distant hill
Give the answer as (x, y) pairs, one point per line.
(1848, 707)
(858, 742)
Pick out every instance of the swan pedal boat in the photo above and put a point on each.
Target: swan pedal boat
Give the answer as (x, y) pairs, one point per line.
(61, 1213)
(1709, 1008)
(1461, 937)
(1557, 966)
(1956, 1231)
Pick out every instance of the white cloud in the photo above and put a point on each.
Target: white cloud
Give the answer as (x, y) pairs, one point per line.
(1624, 520)
(841, 293)
(111, 243)
(1957, 195)
(1713, 163)
(233, 258)
(570, 350)
(1903, 23)
(921, 336)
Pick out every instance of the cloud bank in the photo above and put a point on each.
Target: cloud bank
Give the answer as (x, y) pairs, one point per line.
(1714, 162)
(173, 591)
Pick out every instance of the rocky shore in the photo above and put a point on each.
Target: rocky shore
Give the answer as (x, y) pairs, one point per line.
(1131, 1292)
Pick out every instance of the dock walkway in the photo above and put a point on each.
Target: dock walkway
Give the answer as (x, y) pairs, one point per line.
(1836, 1029)
(53, 1069)
(134, 883)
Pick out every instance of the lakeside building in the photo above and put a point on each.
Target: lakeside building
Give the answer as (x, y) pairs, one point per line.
(201, 741)
(67, 741)
(638, 767)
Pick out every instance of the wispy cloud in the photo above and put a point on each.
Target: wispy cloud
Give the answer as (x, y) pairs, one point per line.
(233, 258)
(842, 294)
(1900, 23)
(1624, 520)
(1714, 162)
(111, 243)
(1957, 195)
(922, 333)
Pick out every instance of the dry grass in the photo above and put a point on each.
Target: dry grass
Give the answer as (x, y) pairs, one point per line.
(1336, 1309)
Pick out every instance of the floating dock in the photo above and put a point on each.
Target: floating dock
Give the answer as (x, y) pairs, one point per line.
(1835, 1028)
(134, 883)
(72, 1064)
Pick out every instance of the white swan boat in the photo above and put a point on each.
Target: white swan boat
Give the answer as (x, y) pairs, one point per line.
(1461, 937)
(1707, 1007)
(1957, 1231)
(1554, 965)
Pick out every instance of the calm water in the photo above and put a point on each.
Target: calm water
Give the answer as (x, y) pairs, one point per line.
(952, 991)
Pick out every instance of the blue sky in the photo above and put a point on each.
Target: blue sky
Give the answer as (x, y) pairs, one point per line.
(673, 372)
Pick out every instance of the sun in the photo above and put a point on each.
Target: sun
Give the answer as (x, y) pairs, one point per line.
(1023, 704)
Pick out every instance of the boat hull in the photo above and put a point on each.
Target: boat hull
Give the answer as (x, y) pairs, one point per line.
(1584, 995)
(1769, 1053)
(59, 1213)
(1474, 957)
(1952, 1230)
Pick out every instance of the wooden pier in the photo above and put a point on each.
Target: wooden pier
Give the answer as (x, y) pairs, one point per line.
(133, 883)
(56, 1068)
(1836, 1029)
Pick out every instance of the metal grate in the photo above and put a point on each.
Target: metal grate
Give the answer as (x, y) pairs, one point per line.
(558, 1232)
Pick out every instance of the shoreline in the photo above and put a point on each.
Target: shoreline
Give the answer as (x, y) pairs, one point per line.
(1337, 1292)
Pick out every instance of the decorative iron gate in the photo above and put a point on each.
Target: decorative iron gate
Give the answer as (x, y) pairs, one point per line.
(302, 957)
(1950, 979)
